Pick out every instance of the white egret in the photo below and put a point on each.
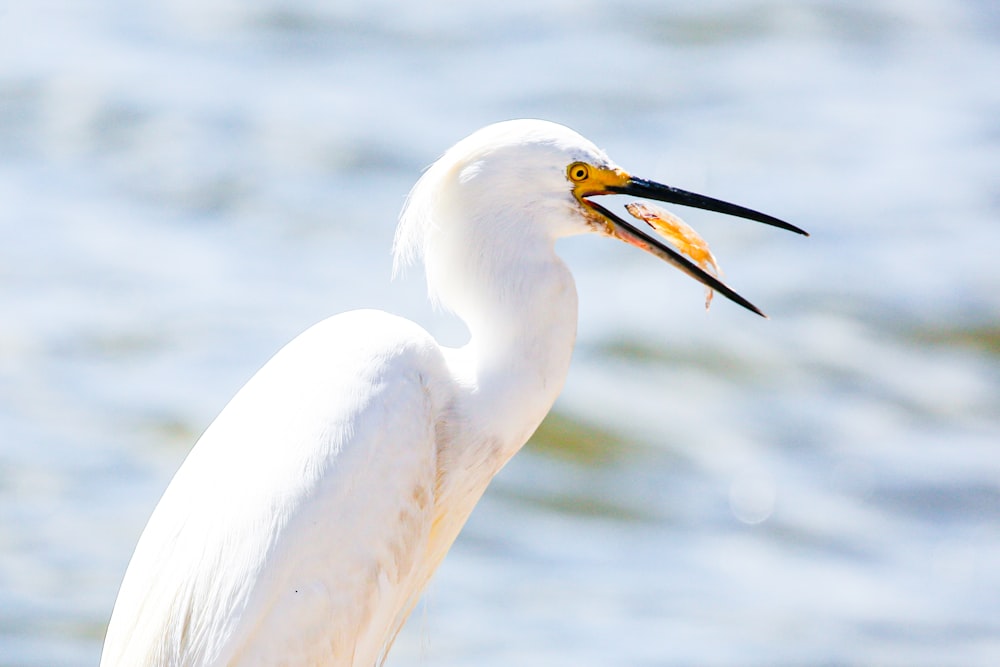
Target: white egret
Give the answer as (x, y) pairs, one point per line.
(306, 521)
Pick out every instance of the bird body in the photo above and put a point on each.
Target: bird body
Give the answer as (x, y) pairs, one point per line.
(272, 492)
(308, 518)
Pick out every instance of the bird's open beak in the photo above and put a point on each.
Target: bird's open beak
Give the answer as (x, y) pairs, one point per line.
(607, 181)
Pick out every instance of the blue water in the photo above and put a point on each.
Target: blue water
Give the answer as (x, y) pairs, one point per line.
(185, 186)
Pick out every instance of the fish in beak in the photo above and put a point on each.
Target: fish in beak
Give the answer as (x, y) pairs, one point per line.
(590, 180)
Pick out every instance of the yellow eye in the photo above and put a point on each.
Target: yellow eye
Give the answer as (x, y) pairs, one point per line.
(578, 172)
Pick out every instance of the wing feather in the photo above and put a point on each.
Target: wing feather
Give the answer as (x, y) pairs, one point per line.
(292, 532)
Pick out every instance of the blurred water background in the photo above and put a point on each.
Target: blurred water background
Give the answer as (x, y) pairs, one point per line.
(185, 186)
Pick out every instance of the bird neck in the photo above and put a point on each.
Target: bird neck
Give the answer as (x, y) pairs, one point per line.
(522, 332)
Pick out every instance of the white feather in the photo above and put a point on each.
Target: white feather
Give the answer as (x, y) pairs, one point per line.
(307, 520)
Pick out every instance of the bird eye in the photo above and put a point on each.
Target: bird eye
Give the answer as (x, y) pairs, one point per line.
(578, 171)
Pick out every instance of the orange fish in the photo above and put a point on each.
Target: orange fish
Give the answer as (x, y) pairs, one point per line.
(681, 235)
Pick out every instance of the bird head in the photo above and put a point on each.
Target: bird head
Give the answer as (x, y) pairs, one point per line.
(517, 186)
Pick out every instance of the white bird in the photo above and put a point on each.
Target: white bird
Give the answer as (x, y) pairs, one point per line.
(307, 520)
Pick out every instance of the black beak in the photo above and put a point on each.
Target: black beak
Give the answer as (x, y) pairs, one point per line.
(640, 187)
(626, 232)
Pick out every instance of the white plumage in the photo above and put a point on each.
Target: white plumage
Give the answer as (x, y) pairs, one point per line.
(309, 517)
